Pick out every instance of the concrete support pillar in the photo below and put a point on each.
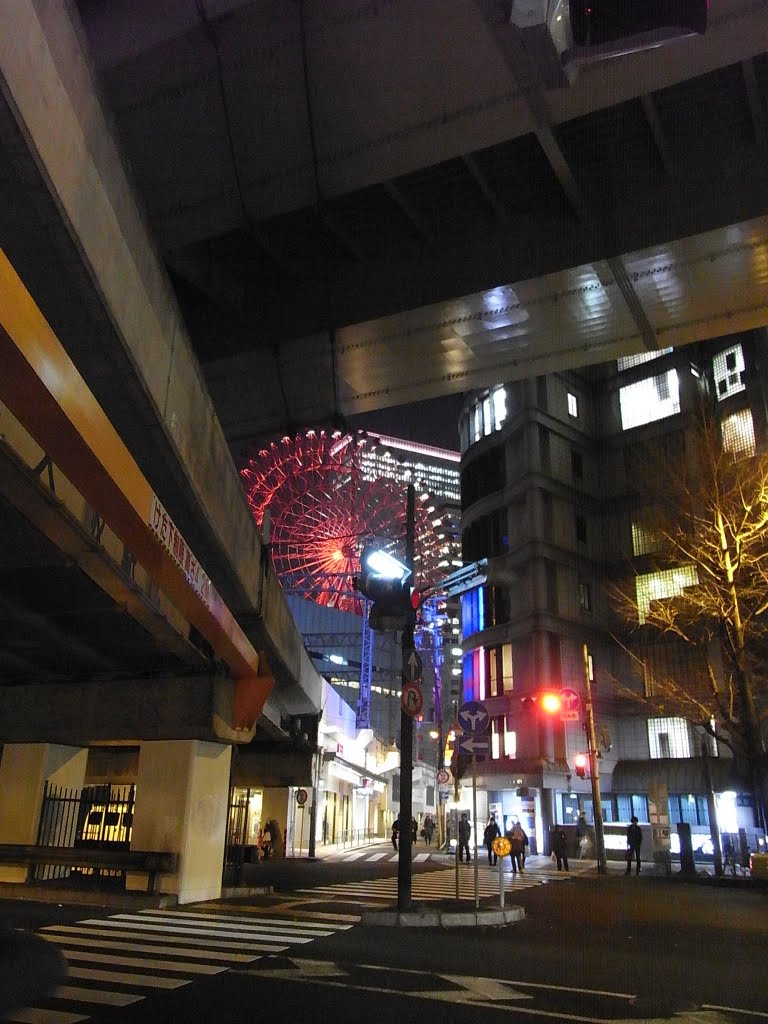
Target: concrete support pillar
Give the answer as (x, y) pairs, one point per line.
(181, 806)
(24, 770)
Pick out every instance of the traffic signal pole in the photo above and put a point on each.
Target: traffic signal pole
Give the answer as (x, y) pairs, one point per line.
(597, 806)
(406, 735)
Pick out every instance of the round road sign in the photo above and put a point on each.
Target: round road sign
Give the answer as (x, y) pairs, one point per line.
(443, 776)
(411, 699)
(301, 797)
(500, 846)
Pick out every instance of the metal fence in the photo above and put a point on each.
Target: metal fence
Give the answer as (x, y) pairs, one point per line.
(96, 817)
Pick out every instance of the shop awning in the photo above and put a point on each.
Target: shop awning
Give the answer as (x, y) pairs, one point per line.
(681, 775)
(363, 773)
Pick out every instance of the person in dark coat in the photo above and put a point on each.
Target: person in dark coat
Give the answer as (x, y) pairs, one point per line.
(395, 831)
(492, 831)
(560, 849)
(634, 842)
(465, 831)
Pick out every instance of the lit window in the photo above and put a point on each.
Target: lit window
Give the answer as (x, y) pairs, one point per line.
(739, 433)
(499, 399)
(585, 597)
(728, 371)
(669, 737)
(573, 405)
(651, 399)
(627, 362)
(656, 586)
(643, 539)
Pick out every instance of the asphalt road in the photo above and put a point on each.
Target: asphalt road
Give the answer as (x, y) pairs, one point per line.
(589, 949)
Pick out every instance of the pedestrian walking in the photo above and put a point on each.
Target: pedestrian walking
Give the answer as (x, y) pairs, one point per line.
(516, 838)
(395, 831)
(492, 831)
(634, 842)
(560, 849)
(465, 832)
(414, 830)
(428, 830)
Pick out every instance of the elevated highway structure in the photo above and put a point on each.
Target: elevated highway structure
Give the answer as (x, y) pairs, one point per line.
(225, 218)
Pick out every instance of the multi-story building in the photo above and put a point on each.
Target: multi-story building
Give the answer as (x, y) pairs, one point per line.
(545, 479)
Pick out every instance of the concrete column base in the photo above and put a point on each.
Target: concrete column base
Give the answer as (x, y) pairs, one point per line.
(182, 793)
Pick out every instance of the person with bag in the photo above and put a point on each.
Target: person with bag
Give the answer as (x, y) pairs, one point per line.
(516, 839)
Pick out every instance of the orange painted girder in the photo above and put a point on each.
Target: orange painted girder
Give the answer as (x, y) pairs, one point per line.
(42, 387)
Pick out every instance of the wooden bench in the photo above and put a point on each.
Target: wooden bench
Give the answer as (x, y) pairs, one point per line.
(154, 863)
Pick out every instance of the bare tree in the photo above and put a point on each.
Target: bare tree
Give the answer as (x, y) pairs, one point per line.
(697, 610)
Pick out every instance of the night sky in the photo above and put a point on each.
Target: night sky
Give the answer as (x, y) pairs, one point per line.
(435, 422)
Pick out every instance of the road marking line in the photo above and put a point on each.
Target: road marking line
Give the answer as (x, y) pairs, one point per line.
(251, 924)
(179, 942)
(95, 995)
(171, 931)
(134, 947)
(140, 961)
(34, 1015)
(124, 978)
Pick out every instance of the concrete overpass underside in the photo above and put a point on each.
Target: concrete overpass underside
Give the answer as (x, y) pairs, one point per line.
(227, 218)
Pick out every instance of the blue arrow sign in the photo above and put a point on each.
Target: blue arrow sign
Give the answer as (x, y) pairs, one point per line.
(473, 717)
(473, 744)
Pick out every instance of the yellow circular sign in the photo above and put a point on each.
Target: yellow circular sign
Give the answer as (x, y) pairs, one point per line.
(500, 846)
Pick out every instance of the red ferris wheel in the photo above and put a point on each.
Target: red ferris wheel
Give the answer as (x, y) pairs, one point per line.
(322, 504)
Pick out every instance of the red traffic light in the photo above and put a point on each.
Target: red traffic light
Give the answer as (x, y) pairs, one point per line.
(548, 702)
(551, 703)
(580, 763)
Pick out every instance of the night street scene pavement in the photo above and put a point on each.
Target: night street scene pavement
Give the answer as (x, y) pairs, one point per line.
(310, 946)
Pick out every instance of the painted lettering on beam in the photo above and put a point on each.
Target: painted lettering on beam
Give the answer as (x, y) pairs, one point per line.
(170, 537)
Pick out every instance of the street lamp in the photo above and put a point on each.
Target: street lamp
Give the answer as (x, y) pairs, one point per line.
(384, 580)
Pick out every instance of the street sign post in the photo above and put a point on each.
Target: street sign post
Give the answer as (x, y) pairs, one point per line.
(301, 797)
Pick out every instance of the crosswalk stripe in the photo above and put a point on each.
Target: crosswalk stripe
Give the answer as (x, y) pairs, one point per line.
(161, 940)
(96, 995)
(119, 921)
(378, 856)
(175, 940)
(309, 927)
(354, 855)
(33, 1015)
(420, 858)
(176, 950)
(124, 978)
(87, 955)
(430, 885)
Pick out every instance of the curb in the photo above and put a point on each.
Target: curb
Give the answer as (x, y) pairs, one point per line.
(441, 918)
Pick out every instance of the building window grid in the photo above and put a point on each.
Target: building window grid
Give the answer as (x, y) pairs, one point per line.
(738, 432)
(627, 362)
(644, 541)
(668, 737)
(656, 586)
(728, 371)
(653, 398)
